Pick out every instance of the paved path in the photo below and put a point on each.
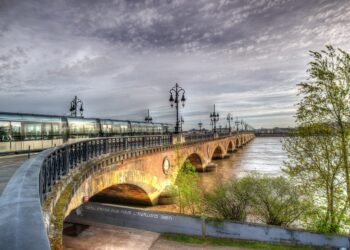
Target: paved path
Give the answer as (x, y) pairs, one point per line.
(108, 237)
(8, 166)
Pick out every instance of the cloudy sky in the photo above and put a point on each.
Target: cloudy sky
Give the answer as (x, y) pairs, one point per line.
(122, 57)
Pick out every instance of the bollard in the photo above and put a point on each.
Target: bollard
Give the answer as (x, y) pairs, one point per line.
(28, 151)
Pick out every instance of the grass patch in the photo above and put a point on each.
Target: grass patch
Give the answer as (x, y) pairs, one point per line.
(234, 243)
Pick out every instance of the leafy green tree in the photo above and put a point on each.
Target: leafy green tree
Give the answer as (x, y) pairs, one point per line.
(275, 200)
(314, 164)
(229, 201)
(318, 152)
(326, 99)
(272, 200)
(187, 189)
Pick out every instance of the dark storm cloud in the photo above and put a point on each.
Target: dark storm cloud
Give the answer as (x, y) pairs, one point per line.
(121, 57)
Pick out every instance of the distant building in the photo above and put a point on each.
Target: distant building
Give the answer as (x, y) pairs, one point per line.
(273, 131)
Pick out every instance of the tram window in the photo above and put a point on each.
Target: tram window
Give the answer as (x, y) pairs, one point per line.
(56, 130)
(116, 129)
(32, 131)
(123, 129)
(76, 128)
(5, 132)
(16, 131)
(47, 131)
(90, 129)
(83, 128)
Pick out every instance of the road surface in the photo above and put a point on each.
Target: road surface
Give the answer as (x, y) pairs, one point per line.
(8, 166)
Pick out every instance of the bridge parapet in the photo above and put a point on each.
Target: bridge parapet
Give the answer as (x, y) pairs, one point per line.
(21, 221)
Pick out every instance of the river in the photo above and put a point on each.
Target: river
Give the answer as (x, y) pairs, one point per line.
(263, 155)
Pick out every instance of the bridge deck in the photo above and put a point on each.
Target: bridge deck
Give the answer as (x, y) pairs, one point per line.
(8, 166)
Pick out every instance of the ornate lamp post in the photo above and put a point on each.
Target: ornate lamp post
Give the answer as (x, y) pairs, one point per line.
(200, 124)
(237, 124)
(246, 126)
(174, 99)
(229, 119)
(74, 107)
(214, 117)
(148, 118)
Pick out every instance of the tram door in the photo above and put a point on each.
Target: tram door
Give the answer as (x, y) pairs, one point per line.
(65, 129)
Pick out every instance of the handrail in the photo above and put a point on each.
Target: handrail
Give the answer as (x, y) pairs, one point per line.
(67, 157)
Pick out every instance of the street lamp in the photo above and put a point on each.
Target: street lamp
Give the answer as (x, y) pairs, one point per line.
(74, 107)
(175, 92)
(246, 126)
(237, 124)
(200, 124)
(214, 117)
(148, 118)
(229, 119)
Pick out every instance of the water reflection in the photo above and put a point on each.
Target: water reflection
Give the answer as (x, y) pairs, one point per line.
(264, 155)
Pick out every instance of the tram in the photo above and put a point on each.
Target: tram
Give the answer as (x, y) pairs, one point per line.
(23, 132)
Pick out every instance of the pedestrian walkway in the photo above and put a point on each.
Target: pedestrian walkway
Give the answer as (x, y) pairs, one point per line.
(8, 166)
(102, 236)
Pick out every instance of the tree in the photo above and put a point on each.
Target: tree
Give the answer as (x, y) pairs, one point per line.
(318, 151)
(187, 189)
(275, 200)
(229, 201)
(326, 99)
(314, 164)
(272, 200)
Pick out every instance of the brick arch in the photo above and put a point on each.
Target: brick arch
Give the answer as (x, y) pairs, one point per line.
(150, 184)
(218, 152)
(127, 193)
(196, 160)
(230, 147)
(237, 143)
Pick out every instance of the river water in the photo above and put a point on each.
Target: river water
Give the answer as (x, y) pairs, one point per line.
(263, 155)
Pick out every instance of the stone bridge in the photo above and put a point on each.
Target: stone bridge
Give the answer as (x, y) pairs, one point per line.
(144, 177)
(53, 183)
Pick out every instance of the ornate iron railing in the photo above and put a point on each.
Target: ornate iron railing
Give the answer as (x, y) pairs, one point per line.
(66, 157)
(194, 137)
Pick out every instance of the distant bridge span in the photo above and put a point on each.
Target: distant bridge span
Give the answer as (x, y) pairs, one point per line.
(60, 179)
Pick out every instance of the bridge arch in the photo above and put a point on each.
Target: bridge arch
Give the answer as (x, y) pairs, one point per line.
(196, 160)
(230, 147)
(218, 153)
(237, 143)
(147, 184)
(125, 193)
